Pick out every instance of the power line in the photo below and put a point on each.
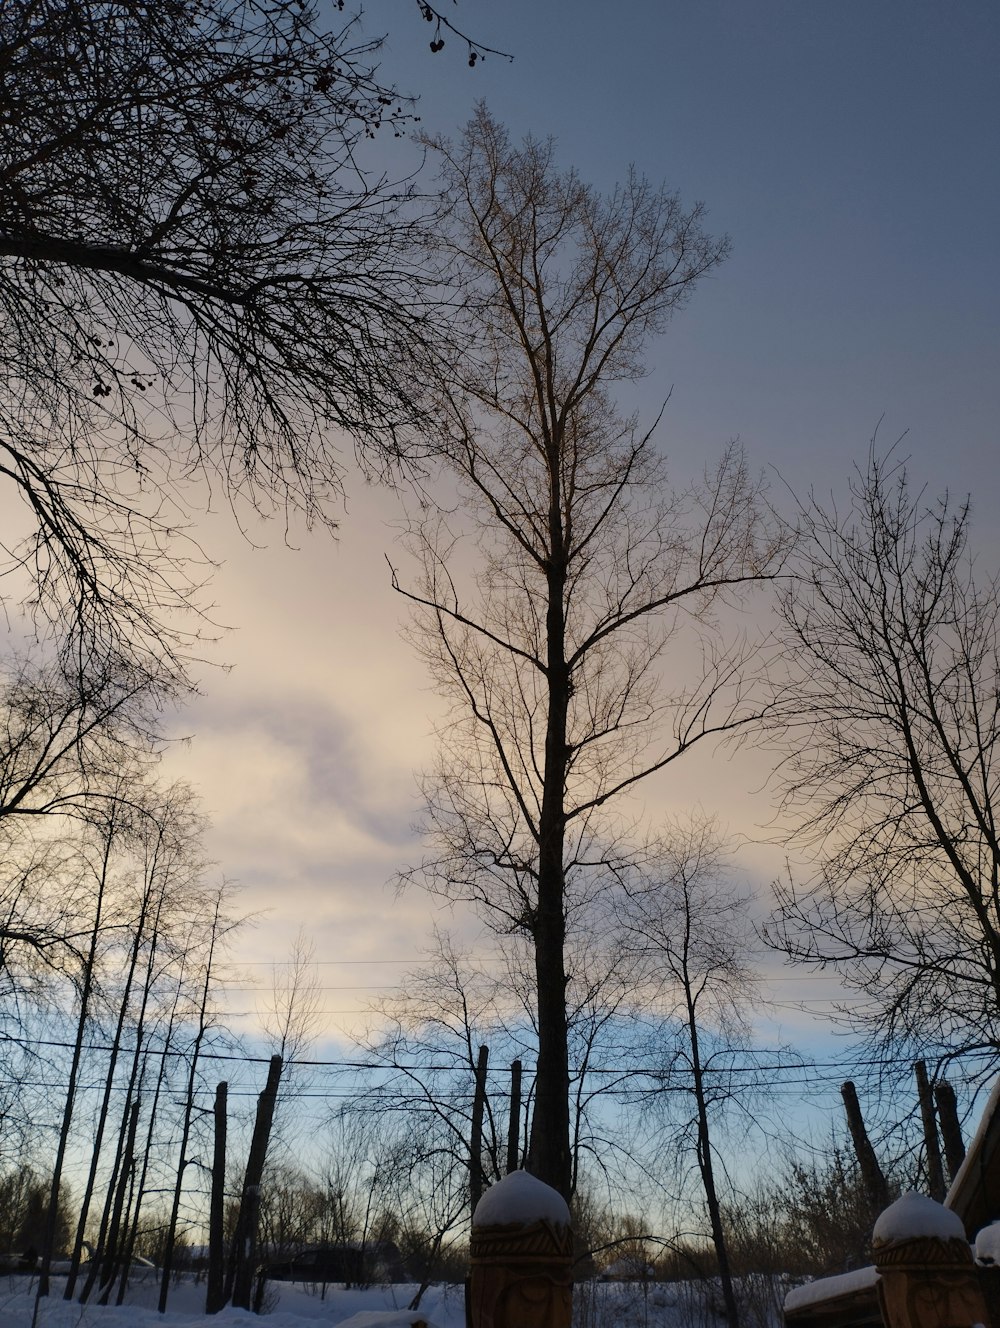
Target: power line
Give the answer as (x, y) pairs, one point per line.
(657, 1072)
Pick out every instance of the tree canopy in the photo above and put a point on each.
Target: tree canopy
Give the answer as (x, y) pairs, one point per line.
(198, 274)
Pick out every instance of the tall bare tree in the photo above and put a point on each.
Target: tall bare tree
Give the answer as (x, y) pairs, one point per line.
(289, 1019)
(73, 751)
(892, 768)
(588, 564)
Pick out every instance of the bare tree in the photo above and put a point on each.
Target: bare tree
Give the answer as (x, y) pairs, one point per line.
(891, 771)
(588, 564)
(197, 274)
(95, 866)
(44, 916)
(217, 926)
(424, 1052)
(64, 739)
(289, 1019)
(71, 751)
(689, 928)
(162, 838)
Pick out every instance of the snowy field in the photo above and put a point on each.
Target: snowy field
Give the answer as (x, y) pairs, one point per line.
(289, 1306)
(293, 1306)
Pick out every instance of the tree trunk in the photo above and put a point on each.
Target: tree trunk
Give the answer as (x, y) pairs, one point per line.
(215, 1291)
(707, 1170)
(241, 1268)
(549, 1152)
(476, 1135)
(137, 1195)
(132, 1091)
(109, 1204)
(935, 1171)
(182, 1160)
(871, 1173)
(109, 1079)
(951, 1130)
(86, 988)
(111, 1260)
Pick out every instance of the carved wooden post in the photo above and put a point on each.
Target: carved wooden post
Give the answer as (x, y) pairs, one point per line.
(927, 1275)
(522, 1254)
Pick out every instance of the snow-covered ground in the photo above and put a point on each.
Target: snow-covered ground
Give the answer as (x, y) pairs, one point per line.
(597, 1305)
(289, 1306)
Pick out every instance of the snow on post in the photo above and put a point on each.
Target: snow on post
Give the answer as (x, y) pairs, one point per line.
(913, 1216)
(988, 1245)
(520, 1197)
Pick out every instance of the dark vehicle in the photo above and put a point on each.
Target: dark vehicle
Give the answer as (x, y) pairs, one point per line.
(352, 1264)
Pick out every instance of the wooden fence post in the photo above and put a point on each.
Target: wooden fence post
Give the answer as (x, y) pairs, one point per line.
(871, 1173)
(476, 1137)
(951, 1130)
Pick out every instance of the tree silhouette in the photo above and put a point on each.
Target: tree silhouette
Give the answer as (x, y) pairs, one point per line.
(893, 733)
(198, 275)
(588, 564)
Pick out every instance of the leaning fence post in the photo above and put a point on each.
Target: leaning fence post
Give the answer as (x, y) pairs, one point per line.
(927, 1276)
(521, 1257)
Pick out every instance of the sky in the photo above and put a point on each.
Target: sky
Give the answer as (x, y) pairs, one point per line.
(850, 151)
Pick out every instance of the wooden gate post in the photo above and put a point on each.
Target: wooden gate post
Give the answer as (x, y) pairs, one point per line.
(521, 1257)
(928, 1278)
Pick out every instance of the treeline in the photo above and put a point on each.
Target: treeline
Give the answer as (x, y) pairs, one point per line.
(113, 928)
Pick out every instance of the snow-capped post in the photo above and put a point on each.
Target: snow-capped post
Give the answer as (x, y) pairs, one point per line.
(927, 1276)
(988, 1267)
(521, 1257)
